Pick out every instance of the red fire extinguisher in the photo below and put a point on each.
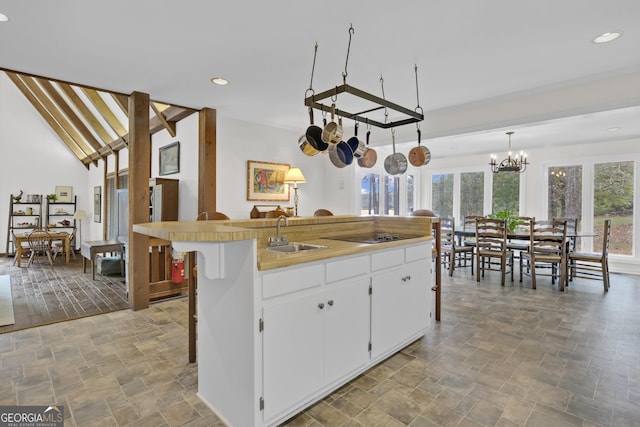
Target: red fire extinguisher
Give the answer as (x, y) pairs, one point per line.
(177, 270)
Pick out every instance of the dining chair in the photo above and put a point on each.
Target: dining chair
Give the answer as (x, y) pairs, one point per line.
(58, 247)
(20, 250)
(522, 227)
(205, 216)
(547, 252)
(39, 244)
(491, 245)
(323, 212)
(469, 223)
(453, 254)
(594, 266)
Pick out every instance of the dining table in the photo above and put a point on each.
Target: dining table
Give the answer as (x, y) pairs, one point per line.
(62, 236)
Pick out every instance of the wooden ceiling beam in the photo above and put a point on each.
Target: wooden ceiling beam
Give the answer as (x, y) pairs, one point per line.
(57, 113)
(105, 111)
(72, 116)
(91, 119)
(169, 126)
(122, 101)
(55, 126)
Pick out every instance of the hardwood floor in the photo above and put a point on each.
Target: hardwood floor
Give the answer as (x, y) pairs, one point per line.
(44, 294)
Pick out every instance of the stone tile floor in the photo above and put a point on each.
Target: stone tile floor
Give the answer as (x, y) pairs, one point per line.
(507, 356)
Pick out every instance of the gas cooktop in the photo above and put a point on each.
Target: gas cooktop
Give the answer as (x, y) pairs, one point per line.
(372, 238)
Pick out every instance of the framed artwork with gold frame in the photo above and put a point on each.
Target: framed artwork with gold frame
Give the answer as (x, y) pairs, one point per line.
(265, 181)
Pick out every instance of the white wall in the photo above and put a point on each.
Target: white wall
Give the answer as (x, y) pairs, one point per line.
(34, 159)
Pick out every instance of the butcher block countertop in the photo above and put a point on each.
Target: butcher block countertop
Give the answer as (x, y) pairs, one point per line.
(309, 230)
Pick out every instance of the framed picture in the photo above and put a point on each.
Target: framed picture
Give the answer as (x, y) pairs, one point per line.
(64, 194)
(97, 203)
(169, 156)
(265, 181)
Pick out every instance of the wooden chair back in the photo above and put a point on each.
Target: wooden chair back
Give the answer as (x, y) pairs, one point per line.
(215, 216)
(323, 212)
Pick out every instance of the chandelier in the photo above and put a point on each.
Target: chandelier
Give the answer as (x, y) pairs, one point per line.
(517, 163)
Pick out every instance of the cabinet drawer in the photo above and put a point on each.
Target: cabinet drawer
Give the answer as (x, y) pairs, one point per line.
(415, 253)
(345, 268)
(291, 280)
(385, 259)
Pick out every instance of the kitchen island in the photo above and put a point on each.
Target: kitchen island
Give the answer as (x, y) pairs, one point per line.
(279, 331)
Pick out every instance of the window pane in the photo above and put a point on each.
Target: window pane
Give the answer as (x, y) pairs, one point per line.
(613, 198)
(442, 194)
(506, 192)
(471, 193)
(411, 191)
(391, 196)
(565, 192)
(370, 190)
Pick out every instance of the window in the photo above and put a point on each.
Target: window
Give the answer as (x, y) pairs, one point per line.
(613, 198)
(565, 192)
(391, 195)
(370, 192)
(110, 194)
(411, 193)
(471, 193)
(442, 194)
(506, 192)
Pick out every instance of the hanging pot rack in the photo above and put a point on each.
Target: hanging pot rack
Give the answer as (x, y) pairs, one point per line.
(317, 101)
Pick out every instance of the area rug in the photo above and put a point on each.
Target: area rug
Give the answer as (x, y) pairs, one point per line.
(6, 302)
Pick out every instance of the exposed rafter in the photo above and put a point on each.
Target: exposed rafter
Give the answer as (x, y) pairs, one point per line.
(86, 119)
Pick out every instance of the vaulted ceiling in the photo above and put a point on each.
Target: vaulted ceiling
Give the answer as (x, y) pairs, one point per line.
(484, 66)
(92, 123)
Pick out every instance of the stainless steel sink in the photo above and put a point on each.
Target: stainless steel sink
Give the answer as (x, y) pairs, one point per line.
(294, 247)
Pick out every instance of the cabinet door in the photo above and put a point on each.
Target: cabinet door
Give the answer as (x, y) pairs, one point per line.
(347, 315)
(292, 351)
(387, 309)
(399, 305)
(418, 296)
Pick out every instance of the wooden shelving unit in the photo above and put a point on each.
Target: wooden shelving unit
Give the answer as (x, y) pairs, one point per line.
(58, 212)
(25, 215)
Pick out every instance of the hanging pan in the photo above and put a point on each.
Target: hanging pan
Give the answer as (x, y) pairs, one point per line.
(396, 163)
(420, 155)
(370, 157)
(357, 146)
(332, 132)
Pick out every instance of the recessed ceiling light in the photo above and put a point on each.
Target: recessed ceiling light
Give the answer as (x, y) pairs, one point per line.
(607, 37)
(219, 81)
(613, 129)
(3, 17)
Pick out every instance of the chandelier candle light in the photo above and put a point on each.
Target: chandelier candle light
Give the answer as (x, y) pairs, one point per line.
(294, 176)
(517, 163)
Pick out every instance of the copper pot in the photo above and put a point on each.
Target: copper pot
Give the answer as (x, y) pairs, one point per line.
(369, 157)
(419, 156)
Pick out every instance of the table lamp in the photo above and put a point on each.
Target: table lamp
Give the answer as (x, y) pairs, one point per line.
(79, 216)
(294, 176)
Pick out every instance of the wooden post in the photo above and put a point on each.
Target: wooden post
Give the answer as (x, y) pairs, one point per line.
(139, 173)
(207, 160)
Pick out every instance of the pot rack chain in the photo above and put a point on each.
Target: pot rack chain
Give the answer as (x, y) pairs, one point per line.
(314, 101)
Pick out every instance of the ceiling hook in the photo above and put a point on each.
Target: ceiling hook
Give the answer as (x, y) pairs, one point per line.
(344, 74)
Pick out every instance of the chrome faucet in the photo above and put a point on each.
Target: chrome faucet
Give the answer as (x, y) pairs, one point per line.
(279, 240)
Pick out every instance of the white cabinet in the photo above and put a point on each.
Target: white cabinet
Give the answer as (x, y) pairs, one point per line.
(311, 338)
(292, 351)
(400, 306)
(346, 332)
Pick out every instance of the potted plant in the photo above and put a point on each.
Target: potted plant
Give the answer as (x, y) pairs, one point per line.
(510, 217)
(51, 197)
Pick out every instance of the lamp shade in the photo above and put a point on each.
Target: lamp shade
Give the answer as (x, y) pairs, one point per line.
(80, 214)
(294, 176)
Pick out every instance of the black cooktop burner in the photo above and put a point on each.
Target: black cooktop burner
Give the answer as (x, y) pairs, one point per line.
(373, 238)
